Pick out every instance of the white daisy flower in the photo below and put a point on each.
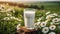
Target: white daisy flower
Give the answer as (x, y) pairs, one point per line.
(9, 9)
(45, 30)
(39, 19)
(13, 11)
(43, 24)
(49, 16)
(9, 14)
(52, 33)
(52, 27)
(1, 6)
(54, 14)
(15, 18)
(47, 13)
(38, 23)
(12, 17)
(18, 26)
(6, 18)
(55, 20)
(19, 20)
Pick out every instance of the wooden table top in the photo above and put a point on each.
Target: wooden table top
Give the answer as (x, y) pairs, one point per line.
(26, 30)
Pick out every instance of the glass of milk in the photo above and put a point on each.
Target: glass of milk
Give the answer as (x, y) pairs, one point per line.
(29, 16)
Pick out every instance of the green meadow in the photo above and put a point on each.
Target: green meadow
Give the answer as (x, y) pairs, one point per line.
(9, 20)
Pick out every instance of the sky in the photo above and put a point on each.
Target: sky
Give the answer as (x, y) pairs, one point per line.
(27, 0)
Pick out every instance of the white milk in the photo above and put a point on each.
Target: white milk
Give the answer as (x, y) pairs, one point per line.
(29, 16)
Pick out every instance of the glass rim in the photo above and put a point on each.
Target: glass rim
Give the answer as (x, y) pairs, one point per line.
(29, 9)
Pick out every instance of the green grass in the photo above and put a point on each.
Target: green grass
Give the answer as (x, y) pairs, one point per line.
(8, 27)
